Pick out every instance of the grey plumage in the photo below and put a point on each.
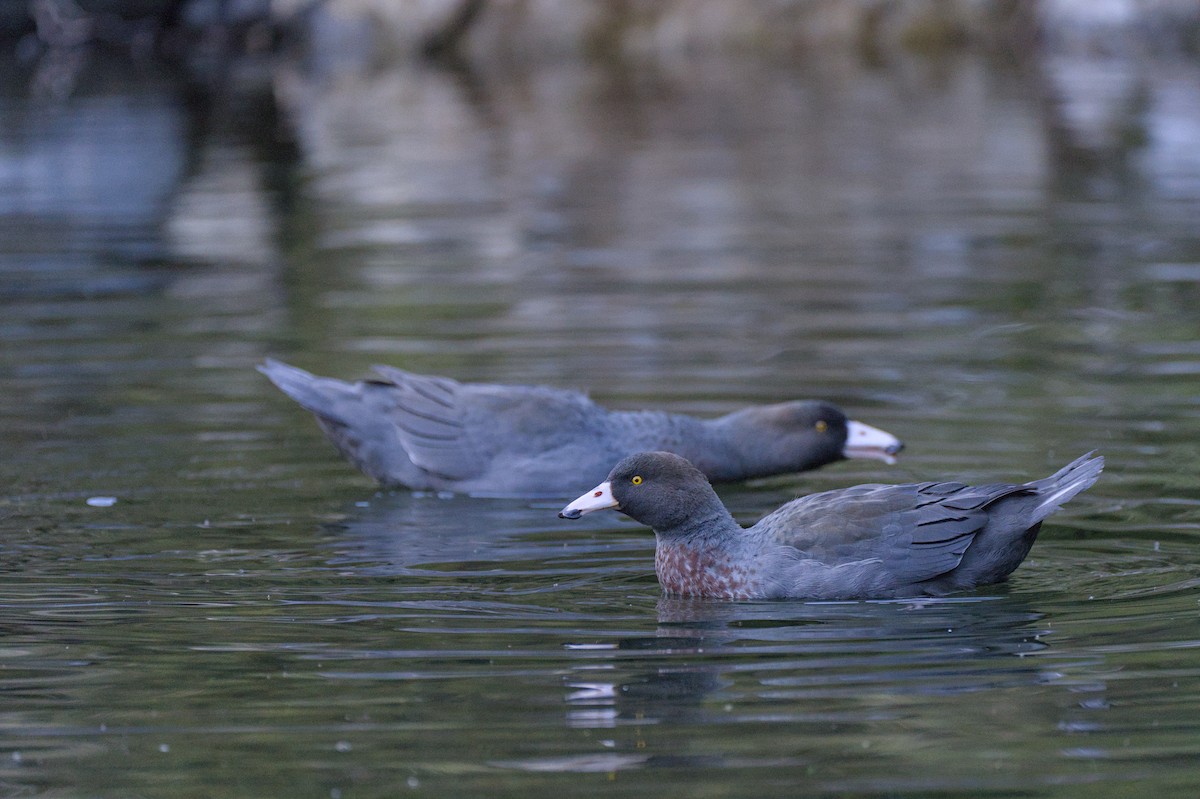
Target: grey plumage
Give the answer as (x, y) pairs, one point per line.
(436, 433)
(869, 541)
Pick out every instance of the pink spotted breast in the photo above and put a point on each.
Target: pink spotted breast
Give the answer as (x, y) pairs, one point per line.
(709, 573)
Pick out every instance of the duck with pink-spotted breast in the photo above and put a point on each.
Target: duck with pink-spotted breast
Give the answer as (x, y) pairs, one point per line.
(865, 542)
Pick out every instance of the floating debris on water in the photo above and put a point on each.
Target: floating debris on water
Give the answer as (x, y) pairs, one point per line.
(102, 502)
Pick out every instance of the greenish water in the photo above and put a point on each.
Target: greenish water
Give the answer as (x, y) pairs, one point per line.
(1001, 267)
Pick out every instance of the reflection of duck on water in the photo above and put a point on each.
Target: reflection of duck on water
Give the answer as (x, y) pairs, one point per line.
(833, 654)
(399, 533)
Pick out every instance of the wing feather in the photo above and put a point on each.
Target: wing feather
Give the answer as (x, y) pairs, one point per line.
(430, 420)
(920, 531)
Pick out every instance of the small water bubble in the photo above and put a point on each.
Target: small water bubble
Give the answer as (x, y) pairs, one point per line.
(362, 504)
(16, 757)
(101, 502)
(413, 783)
(343, 746)
(164, 748)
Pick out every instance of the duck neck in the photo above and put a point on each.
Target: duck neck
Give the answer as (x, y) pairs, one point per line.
(712, 446)
(752, 448)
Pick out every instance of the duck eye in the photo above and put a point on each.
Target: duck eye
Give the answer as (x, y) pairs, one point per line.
(636, 479)
(821, 426)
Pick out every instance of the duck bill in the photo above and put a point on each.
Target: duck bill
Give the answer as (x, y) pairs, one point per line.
(864, 441)
(599, 498)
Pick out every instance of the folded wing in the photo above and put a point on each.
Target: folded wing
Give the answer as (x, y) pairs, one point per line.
(917, 532)
(431, 420)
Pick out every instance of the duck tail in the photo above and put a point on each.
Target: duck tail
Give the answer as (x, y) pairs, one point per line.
(1054, 491)
(319, 395)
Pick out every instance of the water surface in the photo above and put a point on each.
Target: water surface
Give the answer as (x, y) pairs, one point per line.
(999, 265)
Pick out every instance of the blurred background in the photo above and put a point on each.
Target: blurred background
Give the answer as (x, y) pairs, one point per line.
(914, 209)
(974, 223)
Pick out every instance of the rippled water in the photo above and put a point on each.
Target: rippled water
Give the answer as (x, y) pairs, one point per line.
(1000, 266)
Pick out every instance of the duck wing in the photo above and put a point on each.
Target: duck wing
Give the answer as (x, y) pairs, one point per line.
(916, 531)
(430, 420)
(461, 431)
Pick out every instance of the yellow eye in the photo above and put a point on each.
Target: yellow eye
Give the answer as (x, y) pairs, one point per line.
(821, 426)
(636, 479)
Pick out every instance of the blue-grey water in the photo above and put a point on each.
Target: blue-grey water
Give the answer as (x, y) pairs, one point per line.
(998, 262)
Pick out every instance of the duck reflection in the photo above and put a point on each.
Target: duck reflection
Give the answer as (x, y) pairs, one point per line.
(839, 661)
(397, 533)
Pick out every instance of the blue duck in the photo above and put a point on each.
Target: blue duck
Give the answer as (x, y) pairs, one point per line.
(434, 433)
(866, 542)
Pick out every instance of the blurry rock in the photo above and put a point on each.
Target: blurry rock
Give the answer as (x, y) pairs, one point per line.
(372, 24)
(546, 29)
(539, 29)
